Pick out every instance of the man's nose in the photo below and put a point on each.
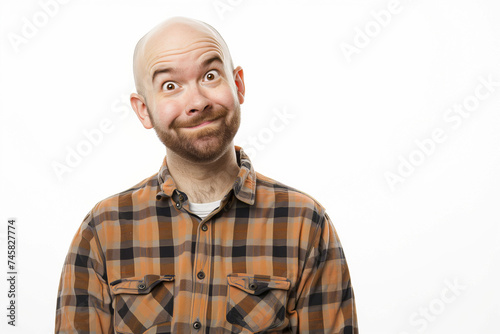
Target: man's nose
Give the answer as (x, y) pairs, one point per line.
(197, 101)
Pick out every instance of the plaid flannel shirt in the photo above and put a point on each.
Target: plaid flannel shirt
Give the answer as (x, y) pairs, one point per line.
(268, 260)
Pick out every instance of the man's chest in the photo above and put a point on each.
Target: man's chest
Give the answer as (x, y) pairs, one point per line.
(229, 274)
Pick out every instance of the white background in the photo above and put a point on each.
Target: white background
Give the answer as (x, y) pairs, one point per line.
(351, 121)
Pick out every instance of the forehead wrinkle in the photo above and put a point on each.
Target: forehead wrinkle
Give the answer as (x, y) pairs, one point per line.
(160, 57)
(163, 64)
(189, 47)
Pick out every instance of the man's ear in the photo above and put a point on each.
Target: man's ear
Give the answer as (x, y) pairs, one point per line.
(141, 110)
(240, 83)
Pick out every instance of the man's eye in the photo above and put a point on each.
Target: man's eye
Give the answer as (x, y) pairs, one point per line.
(169, 85)
(211, 75)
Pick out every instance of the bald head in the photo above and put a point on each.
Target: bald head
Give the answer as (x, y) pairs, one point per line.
(171, 36)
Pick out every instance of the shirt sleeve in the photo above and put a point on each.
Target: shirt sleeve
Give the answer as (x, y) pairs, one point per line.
(325, 302)
(84, 302)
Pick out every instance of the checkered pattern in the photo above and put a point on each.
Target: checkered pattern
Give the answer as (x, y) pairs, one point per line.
(256, 302)
(268, 260)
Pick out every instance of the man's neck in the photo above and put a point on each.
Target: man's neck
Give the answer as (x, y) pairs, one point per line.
(204, 182)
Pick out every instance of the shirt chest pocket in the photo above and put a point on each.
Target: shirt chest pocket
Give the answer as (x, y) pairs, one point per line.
(256, 302)
(143, 303)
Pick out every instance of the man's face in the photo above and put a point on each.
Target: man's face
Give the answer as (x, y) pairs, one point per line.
(191, 97)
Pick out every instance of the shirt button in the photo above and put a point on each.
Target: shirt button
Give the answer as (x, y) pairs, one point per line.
(252, 286)
(196, 325)
(178, 205)
(201, 275)
(204, 227)
(141, 286)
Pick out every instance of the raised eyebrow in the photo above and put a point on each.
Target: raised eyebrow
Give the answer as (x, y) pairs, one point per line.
(160, 71)
(211, 60)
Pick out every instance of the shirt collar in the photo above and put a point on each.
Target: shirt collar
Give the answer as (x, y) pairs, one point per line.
(243, 187)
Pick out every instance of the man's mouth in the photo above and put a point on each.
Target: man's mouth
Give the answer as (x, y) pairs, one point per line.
(202, 124)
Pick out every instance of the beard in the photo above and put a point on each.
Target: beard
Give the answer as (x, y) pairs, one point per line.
(207, 143)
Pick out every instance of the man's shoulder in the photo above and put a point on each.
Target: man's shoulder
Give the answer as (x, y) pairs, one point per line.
(285, 193)
(141, 191)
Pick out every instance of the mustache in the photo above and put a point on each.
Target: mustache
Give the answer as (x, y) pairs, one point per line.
(199, 118)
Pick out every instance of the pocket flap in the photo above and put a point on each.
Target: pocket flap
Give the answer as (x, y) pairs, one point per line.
(258, 284)
(139, 286)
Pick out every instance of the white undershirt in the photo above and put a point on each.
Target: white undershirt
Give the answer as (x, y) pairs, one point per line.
(203, 209)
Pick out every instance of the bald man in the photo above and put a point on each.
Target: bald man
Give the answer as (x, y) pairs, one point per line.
(206, 245)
